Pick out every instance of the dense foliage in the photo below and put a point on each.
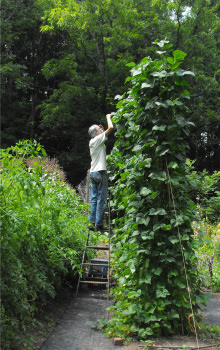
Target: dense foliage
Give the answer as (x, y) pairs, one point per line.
(43, 233)
(64, 61)
(205, 189)
(208, 252)
(152, 207)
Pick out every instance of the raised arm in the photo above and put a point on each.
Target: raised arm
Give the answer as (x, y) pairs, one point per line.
(110, 125)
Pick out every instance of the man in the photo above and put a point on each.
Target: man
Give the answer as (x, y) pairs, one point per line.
(98, 173)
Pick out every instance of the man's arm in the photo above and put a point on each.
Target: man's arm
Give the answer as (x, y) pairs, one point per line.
(110, 125)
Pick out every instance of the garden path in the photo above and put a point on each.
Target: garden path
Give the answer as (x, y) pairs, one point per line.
(75, 332)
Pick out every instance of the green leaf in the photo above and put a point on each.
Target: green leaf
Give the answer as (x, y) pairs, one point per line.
(137, 148)
(143, 221)
(160, 127)
(170, 60)
(132, 309)
(158, 211)
(161, 43)
(174, 240)
(158, 176)
(147, 263)
(173, 165)
(161, 74)
(158, 226)
(157, 271)
(169, 103)
(179, 55)
(119, 104)
(132, 268)
(44, 152)
(136, 71)
(124, 176)
(131, 64)
(186, 92)
(162, 293)
(161, 150)
(146, 85)
(160, 104)
(145, 191)
(189, 73)
(147, 279)
(128, 79)
(167, 227)
(149, 105)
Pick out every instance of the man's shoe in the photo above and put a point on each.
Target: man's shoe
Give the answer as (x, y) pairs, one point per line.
(91, 227)
(101, 228)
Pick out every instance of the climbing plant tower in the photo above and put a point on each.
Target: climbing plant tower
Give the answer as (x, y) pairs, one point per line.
(154, 261)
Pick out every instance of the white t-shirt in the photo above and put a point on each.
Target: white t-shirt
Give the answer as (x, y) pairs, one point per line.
(98, 153)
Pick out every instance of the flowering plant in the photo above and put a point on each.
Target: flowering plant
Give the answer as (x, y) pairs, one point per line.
(207, 236)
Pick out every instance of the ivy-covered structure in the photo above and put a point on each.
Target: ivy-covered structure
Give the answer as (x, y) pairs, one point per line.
(154, 260)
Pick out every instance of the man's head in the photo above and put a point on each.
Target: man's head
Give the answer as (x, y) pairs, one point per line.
(95, 130)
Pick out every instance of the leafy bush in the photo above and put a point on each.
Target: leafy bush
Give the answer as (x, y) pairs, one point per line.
(43, 233)
(208, 253)
(205, 189)
(149, 176)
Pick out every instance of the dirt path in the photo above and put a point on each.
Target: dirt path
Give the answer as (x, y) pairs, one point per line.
(74, 330)
(211, 313)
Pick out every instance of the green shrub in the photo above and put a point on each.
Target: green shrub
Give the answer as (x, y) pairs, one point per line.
(208, 252)
(44, 229)
(205, 189)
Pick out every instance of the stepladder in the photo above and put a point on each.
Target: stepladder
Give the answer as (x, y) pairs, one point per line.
(97, 270)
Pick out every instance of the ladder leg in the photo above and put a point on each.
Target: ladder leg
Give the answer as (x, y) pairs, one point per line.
(109, 248)
(105, 281)
(83, 258)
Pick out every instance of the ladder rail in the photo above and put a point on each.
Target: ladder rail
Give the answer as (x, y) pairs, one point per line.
(108, 248)
(83, 258)
(109, 245)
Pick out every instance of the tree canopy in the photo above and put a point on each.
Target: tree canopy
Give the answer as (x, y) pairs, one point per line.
(63, 63)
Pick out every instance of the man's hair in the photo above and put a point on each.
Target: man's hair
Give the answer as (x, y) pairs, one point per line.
(92, 131)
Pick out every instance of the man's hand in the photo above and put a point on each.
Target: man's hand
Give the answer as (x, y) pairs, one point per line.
(110, 125)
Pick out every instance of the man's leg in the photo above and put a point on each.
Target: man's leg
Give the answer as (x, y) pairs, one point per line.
(102, 198)
(95, 178)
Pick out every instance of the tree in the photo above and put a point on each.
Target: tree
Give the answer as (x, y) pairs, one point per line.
(64, 62)
(101, 37)
(24, 51)
(193, 26)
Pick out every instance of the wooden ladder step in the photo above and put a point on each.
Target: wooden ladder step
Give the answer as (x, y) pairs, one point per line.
(98, 247)
(101, 264)
(95, 282)
(98, 279)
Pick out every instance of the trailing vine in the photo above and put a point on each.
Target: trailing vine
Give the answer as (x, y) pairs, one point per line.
(151, 295)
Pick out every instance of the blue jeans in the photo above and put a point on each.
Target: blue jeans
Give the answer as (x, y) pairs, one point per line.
(98, 196)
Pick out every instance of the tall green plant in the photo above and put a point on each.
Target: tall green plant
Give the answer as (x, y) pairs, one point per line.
(44, 227)
(148, 171)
